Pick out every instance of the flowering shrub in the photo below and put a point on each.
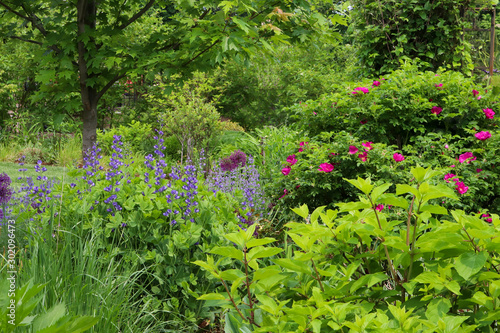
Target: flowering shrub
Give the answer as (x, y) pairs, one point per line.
(470, 163)
(405, 104)
(313, 173)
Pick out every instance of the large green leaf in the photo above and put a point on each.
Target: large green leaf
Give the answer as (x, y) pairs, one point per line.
(470, 263)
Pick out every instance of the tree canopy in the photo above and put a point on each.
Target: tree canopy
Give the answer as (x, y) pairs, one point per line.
(86, 46)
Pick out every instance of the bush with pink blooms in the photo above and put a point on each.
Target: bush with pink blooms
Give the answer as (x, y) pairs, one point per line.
(400, 106)
(315, 169)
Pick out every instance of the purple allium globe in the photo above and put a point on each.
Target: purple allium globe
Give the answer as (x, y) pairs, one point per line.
(226, 164)
(5, 191)
(239, 158)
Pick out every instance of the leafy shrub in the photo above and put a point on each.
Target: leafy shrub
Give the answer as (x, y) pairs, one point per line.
(231, 126)
(253, 95)
(389, 30)
(188, 113)
(399, 106)
(386, 261)
(138, 137)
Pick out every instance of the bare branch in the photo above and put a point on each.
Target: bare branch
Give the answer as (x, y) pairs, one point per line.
(199, 54)
(109, 85)
(137, 15)
(13, 11)
(26, 40)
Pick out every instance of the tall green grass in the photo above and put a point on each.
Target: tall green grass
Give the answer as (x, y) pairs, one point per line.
(81, 272)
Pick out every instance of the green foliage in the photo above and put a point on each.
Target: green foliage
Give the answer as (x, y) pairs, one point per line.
(390, 30)
(109, 41)
(151, 229)
(400, 107)
(188, 115)
(138, 137)
(413, 267)
(254, 95)
(18, 304)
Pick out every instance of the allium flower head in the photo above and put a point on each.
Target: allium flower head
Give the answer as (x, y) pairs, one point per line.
(436, 110)
(238, 158)
(483, 135)
(489, 113)
(466, 157)
(226, 164)
(5, 190)
(326, 167)
(398, 157)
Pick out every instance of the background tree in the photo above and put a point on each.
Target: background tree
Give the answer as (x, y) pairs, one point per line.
(86, 46)
(388, 30)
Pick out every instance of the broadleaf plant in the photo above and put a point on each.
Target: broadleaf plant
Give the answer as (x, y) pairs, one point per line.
(397, 262)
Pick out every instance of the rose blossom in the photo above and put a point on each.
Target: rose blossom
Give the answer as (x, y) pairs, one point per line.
(326, 167)
(398, 157)
(483, 135)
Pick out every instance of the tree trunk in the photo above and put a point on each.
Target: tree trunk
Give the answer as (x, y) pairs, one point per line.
(87, 20)
(89, 134)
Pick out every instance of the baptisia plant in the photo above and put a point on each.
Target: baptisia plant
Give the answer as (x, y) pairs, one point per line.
(413, 268)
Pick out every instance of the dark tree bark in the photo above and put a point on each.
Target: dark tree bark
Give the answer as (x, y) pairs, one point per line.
(86, 10)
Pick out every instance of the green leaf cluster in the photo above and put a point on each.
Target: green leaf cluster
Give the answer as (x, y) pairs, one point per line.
(361, 268)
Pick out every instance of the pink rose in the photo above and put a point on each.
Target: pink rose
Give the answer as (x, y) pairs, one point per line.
(379, 207)
(353, 150)
(461, 188)
(436, 110)
(489, 113)
(475, 92)
(367, 145)
(448, 176)
(398, 157)
(466, 157)
(363, 156)
(326, 167)
(483, 135)
(286, 170)
(291, 159)
(362, 89)
(376, 83)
